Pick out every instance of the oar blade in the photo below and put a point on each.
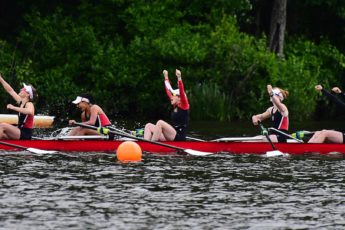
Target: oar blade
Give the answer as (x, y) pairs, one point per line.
(197, 153)
(40, 151)
(274, 153)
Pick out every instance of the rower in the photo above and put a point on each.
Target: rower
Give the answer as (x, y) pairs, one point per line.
(25, 109)
(162, 130)
(92, 114)
(330, 136)
(278, 112)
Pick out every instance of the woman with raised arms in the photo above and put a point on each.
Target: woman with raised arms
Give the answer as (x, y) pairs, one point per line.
(278, 113)
(25, 109)
(177, 130)
(330, 136)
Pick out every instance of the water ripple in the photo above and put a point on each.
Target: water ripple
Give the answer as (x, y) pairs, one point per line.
(94, 191)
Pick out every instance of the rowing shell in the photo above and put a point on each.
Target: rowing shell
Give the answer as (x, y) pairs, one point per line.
(100, 145)
(40, 121)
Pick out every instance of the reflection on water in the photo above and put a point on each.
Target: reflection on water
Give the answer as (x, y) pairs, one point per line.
(94, 191)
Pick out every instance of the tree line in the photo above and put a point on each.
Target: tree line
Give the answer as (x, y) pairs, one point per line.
(117, 50)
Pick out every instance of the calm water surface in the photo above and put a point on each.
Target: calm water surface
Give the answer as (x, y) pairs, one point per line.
(223, 191)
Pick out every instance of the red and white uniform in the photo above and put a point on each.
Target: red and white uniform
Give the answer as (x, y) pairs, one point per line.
(180, 116)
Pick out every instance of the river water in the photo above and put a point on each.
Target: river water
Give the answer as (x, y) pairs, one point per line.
(222, 191)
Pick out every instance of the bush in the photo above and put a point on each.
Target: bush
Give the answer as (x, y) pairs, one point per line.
(120, 60)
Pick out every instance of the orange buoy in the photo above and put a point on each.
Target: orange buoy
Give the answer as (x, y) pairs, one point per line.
(129, 151)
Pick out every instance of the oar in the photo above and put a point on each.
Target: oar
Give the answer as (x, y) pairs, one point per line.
(33, 150)
(237, 139)
(117, 130)
(275, 152)
(195, 139)
(285, 134)
(106, 131)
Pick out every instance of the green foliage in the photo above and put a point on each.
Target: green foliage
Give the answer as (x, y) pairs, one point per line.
(185, 45)
(313, 64)
(243, 67)
(57, 47)
(7, 63)
(14, 70)
(118, 49)
(209, 103)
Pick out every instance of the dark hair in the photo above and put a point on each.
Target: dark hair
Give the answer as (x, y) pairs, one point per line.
(88, 96)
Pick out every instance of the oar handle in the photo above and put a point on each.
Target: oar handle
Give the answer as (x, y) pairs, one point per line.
(265, 133)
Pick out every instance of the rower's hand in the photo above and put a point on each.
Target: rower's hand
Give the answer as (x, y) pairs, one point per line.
(165, 74)
(336, 90)
(178, 74)
(255, 120)
(10, 106)
(318, 87)
(269, 89)
(71, 122)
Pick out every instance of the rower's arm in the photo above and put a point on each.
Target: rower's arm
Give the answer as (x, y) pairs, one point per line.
(93, 115)
(167, 84)
(342, 95)
(334, 99)
(167, 87)
(28, 109)
(183, 96)
(262, 116)
(281, 107)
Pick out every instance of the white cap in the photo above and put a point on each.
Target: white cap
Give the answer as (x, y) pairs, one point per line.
(175, 92)
(277, 92)
(29, 90)
(80, 99)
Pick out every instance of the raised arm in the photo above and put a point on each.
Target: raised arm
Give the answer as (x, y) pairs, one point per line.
(281, 107)
(276, 100)
(338, 91)
(9, 89)
(183, 96)
(167, 84)
(332, 97)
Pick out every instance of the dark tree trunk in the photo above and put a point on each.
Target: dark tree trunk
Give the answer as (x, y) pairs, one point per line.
(262, 16)
(277, 28)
